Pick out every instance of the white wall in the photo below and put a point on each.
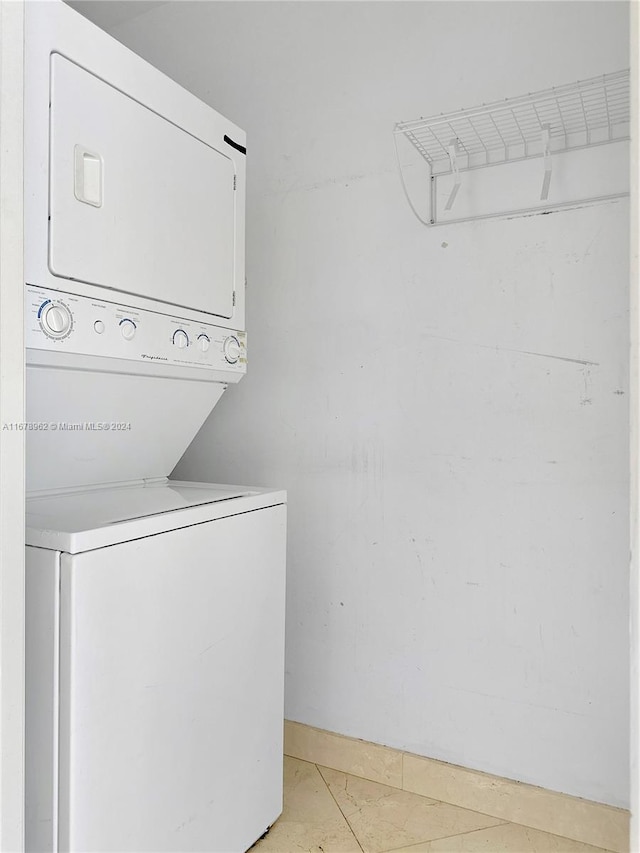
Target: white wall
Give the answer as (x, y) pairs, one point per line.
(448, 408)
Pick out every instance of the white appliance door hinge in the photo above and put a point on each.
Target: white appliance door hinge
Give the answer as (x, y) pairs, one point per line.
(234, 182)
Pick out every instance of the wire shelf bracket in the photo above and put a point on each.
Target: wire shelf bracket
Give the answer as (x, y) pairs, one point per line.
(538, 125)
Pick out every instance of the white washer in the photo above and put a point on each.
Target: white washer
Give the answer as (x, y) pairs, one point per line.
(155, 647)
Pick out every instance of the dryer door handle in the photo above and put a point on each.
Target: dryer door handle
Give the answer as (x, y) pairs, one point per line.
(87, 176)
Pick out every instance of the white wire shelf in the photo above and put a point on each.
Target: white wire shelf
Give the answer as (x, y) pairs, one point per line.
(553, 121)
(585, 113)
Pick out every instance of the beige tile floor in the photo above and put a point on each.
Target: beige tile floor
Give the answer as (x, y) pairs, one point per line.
(326, 811)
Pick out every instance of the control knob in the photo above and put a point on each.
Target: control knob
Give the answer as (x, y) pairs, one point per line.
(180, 339)
(127, 329)
(56, 320)
(204, 342)
(232, 349)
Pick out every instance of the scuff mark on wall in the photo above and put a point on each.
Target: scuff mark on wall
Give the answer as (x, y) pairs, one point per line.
(557, 357)
(593, 240)
(498, 348)
(586, 399)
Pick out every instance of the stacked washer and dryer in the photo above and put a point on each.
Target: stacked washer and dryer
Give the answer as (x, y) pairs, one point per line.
(155, 608)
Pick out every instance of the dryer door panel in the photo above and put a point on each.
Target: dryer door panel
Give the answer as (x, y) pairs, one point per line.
(136, 204)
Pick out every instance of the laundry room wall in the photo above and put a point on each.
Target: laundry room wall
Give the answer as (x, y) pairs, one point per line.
(447, 407)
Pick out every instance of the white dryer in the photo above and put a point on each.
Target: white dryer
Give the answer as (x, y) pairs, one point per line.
(134, 257)
(155, 649)
(133, 186)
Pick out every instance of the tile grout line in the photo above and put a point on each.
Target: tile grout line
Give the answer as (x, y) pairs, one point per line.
(500, 820)
(503, 821)
(456, 835)
(339, 809)
(495, 826)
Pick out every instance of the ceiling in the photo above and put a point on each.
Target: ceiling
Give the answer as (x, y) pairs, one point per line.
(108, 14)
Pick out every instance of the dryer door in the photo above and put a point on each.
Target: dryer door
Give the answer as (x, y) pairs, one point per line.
(137, 204)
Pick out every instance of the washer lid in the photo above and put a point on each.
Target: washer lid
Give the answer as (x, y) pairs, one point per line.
(95, 518)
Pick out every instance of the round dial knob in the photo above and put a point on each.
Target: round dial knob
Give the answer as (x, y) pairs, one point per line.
(56, 320)
(231, 348)
(127, 329)
(181, 339)
(203, 343)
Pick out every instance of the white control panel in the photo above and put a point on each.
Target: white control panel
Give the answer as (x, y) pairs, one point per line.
(64, 322)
